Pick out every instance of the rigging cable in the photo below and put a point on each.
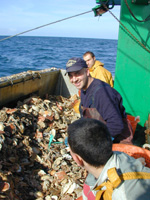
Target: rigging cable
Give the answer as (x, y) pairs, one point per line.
(146, 19)
(127, 29)
(47, 24)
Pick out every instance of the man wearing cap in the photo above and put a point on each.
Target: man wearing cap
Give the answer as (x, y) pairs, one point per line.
(99, 101)
(97, 69)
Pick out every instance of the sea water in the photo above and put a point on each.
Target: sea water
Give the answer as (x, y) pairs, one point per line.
(23, 53)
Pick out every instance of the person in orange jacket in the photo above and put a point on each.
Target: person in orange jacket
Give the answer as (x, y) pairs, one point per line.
(97, 69)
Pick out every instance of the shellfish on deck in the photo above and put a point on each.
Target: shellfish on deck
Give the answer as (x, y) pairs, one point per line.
(31, 165)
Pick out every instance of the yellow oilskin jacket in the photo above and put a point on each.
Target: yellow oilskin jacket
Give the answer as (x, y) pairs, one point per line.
(99, 72)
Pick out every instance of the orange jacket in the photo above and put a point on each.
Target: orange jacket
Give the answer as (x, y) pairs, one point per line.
(99, 72)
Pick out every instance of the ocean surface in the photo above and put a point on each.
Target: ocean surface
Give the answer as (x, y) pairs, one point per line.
(23, 53)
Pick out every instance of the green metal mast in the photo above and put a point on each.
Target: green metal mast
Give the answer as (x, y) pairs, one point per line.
(132, 74)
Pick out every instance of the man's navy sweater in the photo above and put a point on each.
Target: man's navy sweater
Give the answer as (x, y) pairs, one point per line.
(108, 103)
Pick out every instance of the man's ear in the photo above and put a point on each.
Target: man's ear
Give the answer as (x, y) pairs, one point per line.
(77, 159)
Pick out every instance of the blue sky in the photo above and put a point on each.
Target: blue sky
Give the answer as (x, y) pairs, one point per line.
(17, 16)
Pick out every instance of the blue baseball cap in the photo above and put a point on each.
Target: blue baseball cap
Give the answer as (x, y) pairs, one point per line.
(75, 64)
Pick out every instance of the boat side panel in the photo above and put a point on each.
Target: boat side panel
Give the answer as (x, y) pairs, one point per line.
(44, 84)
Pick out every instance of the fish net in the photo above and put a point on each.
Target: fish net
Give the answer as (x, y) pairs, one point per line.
(134, 151)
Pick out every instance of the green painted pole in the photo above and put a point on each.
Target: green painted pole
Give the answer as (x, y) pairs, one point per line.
(132, 74)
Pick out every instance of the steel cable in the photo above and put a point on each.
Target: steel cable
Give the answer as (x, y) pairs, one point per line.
(46, 25)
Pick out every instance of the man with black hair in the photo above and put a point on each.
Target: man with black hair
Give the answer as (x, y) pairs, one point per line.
(112, 175)
(99, 101)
